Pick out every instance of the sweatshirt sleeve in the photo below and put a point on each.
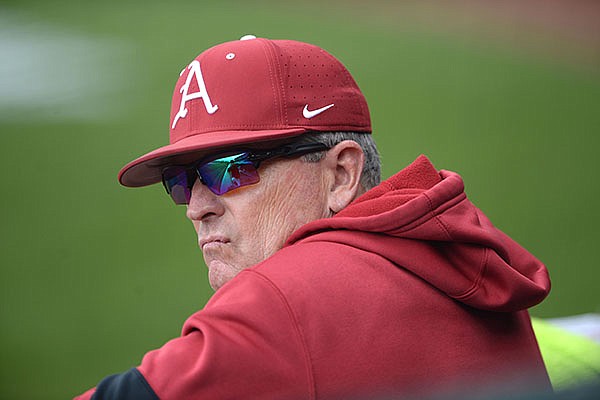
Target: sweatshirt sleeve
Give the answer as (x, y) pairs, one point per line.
(245, 343)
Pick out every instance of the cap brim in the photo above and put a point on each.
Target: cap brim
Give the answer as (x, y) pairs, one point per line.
(146, 170)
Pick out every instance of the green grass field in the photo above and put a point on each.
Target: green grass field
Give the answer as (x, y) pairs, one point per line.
(93, 275)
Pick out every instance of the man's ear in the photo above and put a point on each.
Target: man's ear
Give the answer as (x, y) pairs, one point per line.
(344, 163)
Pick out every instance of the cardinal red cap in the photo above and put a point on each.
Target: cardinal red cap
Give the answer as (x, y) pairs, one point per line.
(253, 90)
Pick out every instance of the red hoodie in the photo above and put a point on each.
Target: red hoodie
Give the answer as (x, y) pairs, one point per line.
(408, 291)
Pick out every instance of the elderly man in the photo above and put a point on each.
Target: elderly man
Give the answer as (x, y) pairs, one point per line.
(328, 284)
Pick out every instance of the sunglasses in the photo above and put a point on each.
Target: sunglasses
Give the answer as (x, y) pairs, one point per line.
(226, 173)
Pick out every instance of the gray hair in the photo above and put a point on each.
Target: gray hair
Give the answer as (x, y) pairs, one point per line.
(371, 172)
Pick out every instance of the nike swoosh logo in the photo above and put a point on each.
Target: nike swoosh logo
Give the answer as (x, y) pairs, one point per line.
(308, 114)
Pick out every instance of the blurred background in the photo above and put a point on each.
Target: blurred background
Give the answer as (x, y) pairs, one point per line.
(93, 275)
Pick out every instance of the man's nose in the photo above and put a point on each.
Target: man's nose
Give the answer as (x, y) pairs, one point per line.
(203, 203)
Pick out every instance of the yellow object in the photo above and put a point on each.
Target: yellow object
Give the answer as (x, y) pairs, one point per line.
(571, 359)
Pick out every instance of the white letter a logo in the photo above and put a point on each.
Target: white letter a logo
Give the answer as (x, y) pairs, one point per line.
(195, 71)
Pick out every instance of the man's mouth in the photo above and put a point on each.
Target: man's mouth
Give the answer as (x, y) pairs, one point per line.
(212, 241)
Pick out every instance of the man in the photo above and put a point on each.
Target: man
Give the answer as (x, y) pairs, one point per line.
(328, 284)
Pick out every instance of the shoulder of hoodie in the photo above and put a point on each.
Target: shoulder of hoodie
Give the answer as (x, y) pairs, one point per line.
(313, 266)
(291, 285)
(310, 265)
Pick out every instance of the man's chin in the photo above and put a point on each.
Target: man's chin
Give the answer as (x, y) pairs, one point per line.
(219, 273)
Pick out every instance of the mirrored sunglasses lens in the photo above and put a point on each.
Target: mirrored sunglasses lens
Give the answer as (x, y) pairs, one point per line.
(177, 182)
(225, 174)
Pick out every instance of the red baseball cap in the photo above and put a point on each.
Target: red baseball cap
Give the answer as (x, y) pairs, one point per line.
(253, 90)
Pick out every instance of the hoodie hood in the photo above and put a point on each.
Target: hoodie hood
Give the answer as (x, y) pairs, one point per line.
(422, 221)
